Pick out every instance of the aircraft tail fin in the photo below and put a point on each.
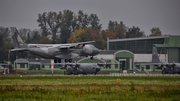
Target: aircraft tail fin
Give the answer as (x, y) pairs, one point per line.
(17, 40)
(155, 57)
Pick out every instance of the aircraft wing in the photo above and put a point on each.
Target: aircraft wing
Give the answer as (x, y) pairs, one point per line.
(19, 49)
(74, 45)
(61, 46)
(64, 65)
(148, 63)
(159, 65)
(106, 64)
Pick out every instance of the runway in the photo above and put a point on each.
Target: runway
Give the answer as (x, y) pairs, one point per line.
(111, 74)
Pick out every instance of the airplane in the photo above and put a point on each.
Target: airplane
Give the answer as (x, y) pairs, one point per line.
(167, 68)
(82, 68)
(55, 51)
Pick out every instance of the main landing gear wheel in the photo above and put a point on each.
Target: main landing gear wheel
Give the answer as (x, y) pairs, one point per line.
(57, 60)
(92, 58)
(68, 60)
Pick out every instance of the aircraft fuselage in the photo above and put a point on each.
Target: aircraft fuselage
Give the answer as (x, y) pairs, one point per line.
(84, 68)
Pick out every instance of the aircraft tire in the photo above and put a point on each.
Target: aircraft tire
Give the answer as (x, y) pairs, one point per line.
(68, 73)
(59, 60)
(163, 72)
(55, 60)
(70, 60)
(66, 60)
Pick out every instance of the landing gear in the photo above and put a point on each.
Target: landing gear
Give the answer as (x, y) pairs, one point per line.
(163, 72)
(68, 60)
(92, 58)
(57, 60)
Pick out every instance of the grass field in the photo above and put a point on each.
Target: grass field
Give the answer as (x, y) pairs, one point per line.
(89, 88)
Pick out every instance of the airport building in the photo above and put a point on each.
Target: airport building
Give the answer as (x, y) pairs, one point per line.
(140, 50)
(128, 52)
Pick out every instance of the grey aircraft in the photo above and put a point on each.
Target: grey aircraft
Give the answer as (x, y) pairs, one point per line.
(55, 51)
(82, 68)
(167, 68)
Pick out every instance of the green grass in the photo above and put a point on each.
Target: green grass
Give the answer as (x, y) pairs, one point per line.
(75, 88)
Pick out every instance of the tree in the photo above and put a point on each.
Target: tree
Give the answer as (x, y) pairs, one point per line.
(54, 22)
(88, 34)
(78, 36)
(36, 37)
(66, 28)
(50, 23)
(4, 32)
(82, 20)
(28, 38)
(110, 34)
(155, 32)
(5, 43)
(111, 26)
(43, 23)
(44, 40)
(118, 29)
(1, 40)
(134, 32)
(94, 22)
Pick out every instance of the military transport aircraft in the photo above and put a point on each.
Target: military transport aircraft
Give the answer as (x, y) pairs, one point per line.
(167, 68)
(82, 68)
(55, 51)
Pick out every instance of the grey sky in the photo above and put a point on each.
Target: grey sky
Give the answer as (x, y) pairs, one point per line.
(144, 14)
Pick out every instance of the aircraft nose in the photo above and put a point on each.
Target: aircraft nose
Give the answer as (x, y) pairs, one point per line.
(97, 69)
(96, 51)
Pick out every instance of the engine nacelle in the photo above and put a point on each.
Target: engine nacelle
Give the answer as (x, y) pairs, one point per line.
(89, 50)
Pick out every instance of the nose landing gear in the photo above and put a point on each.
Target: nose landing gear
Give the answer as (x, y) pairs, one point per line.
(92, 58)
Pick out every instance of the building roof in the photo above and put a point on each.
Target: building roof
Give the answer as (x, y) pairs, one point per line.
(139, 38)
(21, 60)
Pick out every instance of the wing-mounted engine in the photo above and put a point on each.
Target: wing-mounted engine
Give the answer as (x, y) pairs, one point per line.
(89, 50)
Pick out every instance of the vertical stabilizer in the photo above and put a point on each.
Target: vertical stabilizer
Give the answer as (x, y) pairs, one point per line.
(155, 57)
(17, 40)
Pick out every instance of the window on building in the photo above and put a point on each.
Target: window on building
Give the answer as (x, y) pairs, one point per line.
(137, 46)
(22, 65)
(147, 67)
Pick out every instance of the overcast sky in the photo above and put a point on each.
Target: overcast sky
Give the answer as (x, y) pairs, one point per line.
(144, 14)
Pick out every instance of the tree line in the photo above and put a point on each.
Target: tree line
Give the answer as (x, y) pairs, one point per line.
(69, 27)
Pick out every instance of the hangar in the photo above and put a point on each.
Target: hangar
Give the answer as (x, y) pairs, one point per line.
(141, 48)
